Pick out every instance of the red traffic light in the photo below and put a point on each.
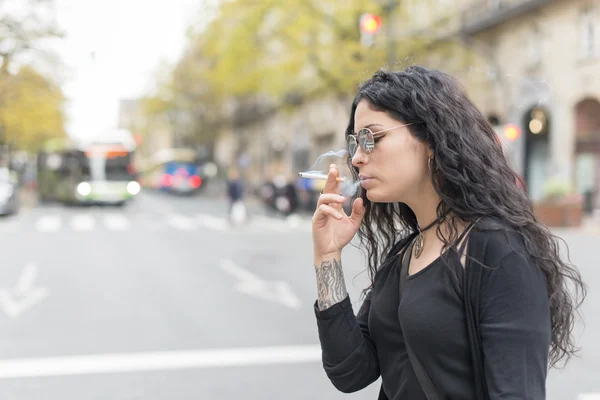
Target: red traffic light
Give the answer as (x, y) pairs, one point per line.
(370, 23)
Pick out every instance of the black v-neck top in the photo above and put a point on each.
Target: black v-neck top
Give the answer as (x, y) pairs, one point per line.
(514, 317)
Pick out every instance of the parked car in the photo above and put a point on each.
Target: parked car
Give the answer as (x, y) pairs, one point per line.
(8, 192)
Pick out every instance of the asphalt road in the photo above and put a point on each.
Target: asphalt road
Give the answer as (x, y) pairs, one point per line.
(162, 299)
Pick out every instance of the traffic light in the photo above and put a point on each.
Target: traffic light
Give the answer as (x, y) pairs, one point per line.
(369, 24)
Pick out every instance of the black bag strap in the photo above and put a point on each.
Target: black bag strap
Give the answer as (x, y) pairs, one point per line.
(470, 287)
(472, 276)
(424, 379)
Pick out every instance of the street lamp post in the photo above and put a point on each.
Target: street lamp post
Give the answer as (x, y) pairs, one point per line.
(388, 8)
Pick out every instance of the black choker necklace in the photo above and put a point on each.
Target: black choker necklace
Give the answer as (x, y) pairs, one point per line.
(421, 240)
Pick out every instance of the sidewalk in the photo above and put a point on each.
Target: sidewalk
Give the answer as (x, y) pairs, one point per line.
(589, 226)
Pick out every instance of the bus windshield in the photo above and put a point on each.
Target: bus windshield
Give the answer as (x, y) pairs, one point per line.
(108, 167)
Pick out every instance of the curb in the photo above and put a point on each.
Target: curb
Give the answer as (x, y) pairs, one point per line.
(593, 230)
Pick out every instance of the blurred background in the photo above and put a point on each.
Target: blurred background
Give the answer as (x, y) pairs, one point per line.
(155, 235)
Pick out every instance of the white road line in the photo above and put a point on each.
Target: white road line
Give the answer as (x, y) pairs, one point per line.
(83, 223)
(181, 222)
(48, 223)
(166, 360)
(589, 396)
(116, 222)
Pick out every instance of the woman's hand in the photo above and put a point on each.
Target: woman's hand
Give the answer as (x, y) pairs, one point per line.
(332, 229)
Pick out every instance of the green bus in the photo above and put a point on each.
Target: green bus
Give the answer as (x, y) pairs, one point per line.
(74, 172)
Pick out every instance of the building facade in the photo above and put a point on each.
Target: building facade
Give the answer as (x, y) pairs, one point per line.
(536, 67)
(287, 142)
(543, 63)
(153, 133)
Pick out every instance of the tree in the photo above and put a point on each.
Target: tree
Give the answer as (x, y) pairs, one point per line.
(30, 105)
(298, 46)
(33, 110)
(254, 56)
(24, 24)
(257, 56)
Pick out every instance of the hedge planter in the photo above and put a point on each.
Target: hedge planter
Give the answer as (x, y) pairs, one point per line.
(559, 214)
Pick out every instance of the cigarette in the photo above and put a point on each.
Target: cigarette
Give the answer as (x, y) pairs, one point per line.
(318, 176)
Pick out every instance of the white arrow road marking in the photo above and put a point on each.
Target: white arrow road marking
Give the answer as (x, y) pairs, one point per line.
(253, 285)
(24, 295)
(163, 360)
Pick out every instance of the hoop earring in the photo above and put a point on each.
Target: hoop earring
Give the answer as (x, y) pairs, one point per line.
(429, 163)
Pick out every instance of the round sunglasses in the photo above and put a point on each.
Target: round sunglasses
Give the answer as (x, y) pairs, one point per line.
(365, 138)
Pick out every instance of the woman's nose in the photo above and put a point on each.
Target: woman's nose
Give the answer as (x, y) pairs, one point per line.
(359, 157)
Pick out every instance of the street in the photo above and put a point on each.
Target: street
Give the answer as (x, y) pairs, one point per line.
(162, 299)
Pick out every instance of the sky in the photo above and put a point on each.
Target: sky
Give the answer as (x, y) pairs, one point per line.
(111, 51)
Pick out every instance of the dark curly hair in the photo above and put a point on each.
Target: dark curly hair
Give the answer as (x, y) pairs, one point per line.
(472, 178)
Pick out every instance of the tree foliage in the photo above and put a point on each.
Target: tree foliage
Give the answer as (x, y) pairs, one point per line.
(255, 55)
(298, 46)
(31, 105)
(32, 111)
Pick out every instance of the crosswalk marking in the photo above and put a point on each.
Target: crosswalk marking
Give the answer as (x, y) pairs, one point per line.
(83, 223)
(271, 224)
(116, 222)
(48, 223)
(150, 225)
(181, 222)
(212, 222)
(87, 222)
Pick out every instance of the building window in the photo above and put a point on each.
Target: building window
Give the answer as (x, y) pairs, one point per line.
(589, 32)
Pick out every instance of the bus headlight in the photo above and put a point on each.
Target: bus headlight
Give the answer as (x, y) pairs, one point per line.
(133, 188)
(84, 189)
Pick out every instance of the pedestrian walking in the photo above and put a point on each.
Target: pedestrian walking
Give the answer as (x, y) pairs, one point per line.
(235, 192)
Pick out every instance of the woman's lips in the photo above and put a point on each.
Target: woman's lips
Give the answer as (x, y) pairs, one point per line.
(364, 182)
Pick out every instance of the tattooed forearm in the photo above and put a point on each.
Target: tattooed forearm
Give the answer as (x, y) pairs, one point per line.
(331, 287)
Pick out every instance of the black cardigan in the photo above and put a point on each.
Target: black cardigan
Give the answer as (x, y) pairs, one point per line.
(490, 241)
